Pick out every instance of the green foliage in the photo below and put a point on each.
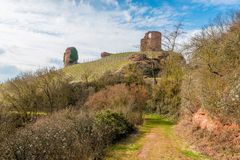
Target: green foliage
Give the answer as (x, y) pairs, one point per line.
(116, 125)
(133, 75)
(166, 98)
(192, 155)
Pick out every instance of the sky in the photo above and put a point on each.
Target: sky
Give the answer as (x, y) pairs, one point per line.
(35, 33)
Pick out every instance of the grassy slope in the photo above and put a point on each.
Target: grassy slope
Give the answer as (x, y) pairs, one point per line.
(98, 67)
(166, 144)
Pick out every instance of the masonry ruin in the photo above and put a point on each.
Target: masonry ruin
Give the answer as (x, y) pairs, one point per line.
(151, 41)
(70, 56)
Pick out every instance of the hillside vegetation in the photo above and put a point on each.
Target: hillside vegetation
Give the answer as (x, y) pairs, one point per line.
(211, 89)
(80, 111)
(93, 70)
(215, 68)
(50, 115)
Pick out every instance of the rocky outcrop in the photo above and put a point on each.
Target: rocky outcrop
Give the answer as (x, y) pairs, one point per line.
(203, 120)
(149, 67)
(138, 57)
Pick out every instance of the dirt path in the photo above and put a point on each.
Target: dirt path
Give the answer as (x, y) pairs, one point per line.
(155, 141)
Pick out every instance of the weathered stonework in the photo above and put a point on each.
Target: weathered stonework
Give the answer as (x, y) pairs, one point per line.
(105, 54)
(70, 56)
(151, 41)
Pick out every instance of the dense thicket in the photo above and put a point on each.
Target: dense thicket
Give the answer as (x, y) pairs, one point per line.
(128, 100)
(35, 124)
(43, 91)
(66, 135)
(166, 98)
(213, 77)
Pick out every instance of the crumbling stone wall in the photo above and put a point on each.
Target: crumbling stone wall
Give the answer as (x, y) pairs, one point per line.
(105, 54)
(151, 41)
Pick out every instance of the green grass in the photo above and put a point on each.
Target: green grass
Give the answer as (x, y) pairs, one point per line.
(154, 120)
(130, 147)
(97, 68)
(191, 154)
(133, 144)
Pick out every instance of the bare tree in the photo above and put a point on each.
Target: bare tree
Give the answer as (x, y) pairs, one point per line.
(170, 37)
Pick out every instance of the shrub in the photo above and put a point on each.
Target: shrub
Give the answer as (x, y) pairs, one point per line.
(6, 125)
(166, 98)
(115, 124)
(54, 88)
(43, 140)
(109, 78)
(216, 55)
(66, 135)
(130, 101)
(133, 75)
(46, 90)
(81, 90)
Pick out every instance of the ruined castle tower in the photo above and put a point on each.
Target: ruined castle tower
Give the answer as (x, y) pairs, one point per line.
(70, 56)
(151, 41)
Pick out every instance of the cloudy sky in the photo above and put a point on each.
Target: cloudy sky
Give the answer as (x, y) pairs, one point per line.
(35, 33)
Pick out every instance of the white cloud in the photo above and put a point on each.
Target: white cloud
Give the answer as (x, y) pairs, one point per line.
(218, 2)
(110, 2)
(35, 34)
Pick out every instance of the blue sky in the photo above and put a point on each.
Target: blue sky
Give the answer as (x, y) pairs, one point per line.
(35, 33)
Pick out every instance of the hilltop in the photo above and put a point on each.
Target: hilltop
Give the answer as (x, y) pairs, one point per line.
(97, 68)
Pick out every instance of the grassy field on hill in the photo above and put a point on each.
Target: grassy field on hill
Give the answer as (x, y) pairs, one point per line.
(96, 68)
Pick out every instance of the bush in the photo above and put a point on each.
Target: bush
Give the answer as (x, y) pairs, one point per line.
(45, 91)
(82, 90)
(109, 78)
(166, 98)
(66, 135)
(6, 126)
(216, 55)
(114, 123)
(133, 75)
(130, 101)
(49, 138)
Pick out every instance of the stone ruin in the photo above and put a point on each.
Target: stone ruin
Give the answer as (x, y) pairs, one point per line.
(105, 54)
(151, 41)
(70, 56)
